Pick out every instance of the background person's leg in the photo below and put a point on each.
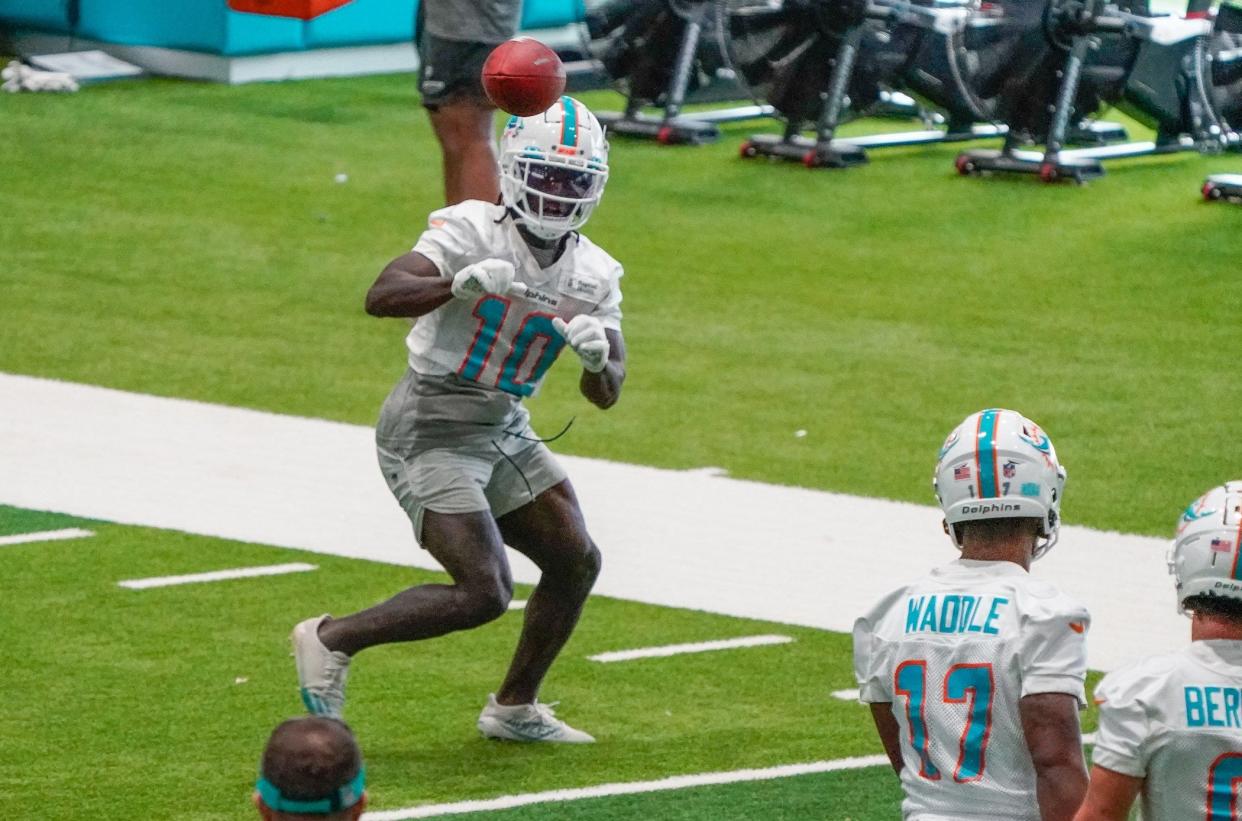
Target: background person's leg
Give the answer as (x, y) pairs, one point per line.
(464, 128)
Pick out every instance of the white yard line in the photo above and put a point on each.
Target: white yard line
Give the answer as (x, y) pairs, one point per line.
(676, 782)
(847, 695)
(517, 604)
(46, 536)
(672, 538)
(218, 575)
(695, 647)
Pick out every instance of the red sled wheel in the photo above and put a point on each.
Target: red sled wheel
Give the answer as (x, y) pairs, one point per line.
(665, 135)
(1048, 173)
(1211, 192)
(810, 159)
(748, 150)
(964, 165)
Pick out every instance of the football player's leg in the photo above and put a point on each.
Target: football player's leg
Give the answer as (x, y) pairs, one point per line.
(468, 545)
(549, 530)
(442, 491)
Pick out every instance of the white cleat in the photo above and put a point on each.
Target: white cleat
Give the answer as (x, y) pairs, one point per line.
(321, 672)
(527, 722)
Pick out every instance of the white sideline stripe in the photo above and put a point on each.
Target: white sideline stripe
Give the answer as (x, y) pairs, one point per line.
(517, 604)
(46, 536)
(696, 647)
(312, 484)
(218, 575)
(847, 695)
(676, 782)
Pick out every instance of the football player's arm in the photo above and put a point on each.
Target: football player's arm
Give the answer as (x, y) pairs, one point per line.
(890, 733)
(409, 286)
(603, 389)
(1054, 739)
(1110, 796)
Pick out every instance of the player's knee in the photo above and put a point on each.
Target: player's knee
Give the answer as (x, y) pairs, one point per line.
(490, 601)
(586, 566)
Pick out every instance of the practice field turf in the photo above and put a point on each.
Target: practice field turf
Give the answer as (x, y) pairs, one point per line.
(189, 240)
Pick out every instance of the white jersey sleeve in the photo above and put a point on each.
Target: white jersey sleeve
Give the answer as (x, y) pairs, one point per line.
(872, 663)
(1052, 650)
(507, 341)
(1176, 722)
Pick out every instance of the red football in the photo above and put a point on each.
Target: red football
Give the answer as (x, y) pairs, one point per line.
(523, 76)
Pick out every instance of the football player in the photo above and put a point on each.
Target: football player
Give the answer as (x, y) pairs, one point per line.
(975, 673)
(498, 290)
(1171, 726)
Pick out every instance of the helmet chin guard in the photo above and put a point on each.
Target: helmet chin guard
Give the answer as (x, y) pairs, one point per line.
(553, 168)
(997, 464)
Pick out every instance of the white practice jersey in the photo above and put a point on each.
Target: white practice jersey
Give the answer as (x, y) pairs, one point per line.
(953, 653)
(507, 341)
(1176, 721)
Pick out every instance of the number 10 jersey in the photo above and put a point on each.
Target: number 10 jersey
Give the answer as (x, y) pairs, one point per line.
(506, 341)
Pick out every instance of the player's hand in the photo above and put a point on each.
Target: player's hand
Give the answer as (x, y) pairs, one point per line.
(487, 276)
(585, 334)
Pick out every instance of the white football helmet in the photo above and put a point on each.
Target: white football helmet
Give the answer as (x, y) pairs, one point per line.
(1204, 559)
(553, 167)
(997, 464)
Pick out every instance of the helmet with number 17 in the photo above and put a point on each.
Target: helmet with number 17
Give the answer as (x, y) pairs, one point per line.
(1205, 557)
(997, 464)
(553, 167)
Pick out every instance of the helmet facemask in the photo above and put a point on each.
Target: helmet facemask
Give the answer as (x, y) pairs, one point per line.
(551, 195)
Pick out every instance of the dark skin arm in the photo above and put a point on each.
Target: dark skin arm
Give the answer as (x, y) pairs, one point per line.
(1054, 739)
(890, 733)
(411, 286)
(603, 389)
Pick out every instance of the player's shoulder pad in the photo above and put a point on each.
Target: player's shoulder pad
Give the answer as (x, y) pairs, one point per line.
(1136, 681)
(473, 213)
(1044, 603)
(885, 606)
(599, 259)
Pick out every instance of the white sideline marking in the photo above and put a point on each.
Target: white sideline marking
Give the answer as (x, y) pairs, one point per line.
(517, 604)
(218, 575)
(847, 695)
(46, 536)
(676, 782)
(696, 647)
(313, 485)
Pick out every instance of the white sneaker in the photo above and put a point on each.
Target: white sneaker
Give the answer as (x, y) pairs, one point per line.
(527, 722)
(321, 672)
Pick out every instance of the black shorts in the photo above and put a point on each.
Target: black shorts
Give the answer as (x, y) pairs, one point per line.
(451, 71)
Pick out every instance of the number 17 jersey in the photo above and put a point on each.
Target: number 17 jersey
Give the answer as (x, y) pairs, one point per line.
(506, 341)
(953, 654)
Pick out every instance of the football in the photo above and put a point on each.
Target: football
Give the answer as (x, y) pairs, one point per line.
(522, 76)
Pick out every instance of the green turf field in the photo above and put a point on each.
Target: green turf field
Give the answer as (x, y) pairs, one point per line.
(188, 240)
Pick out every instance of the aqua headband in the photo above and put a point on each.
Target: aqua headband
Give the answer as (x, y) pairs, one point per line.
(341, 799)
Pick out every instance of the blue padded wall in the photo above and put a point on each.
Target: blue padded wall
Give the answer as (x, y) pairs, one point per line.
(45, 15)
(362, 22)
(196, 25)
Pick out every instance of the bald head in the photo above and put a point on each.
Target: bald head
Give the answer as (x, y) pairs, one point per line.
(309, 760)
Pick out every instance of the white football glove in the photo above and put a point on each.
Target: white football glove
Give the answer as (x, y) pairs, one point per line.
(585, 335)
(487, 276)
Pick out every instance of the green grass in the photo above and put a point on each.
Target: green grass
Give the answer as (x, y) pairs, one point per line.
(188, 240)
(155, 703)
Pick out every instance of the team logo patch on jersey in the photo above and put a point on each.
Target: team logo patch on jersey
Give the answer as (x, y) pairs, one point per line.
(1078, 627)
(582, 287)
